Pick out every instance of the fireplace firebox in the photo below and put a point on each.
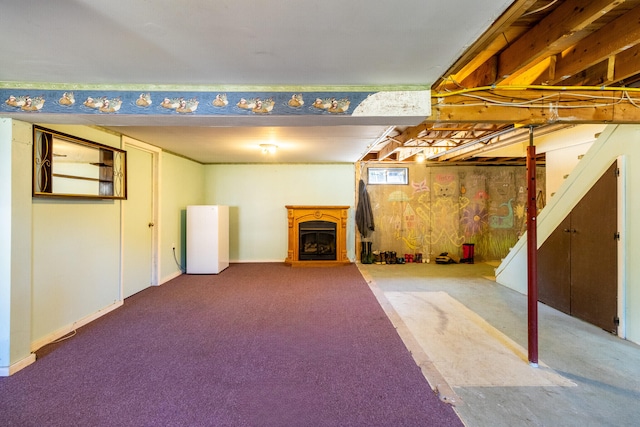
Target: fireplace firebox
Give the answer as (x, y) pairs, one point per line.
(317, 240)
(317, 236)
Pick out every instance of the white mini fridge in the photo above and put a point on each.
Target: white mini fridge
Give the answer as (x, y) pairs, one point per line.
(207, 239)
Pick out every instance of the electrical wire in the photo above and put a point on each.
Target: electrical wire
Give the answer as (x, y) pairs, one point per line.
(175, 258)
(559, 102)
(65, 337)
(538, 87)
(528, 103)
(540, 9)
(631, 101)
(563, 97)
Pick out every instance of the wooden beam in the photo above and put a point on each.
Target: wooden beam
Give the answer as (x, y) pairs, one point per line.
(627, 63)
(611, 67)
(448, 138)
(593, 76)
(388, 149)
(450, 129)
(553, 34)
(370, 157)
(486, 74)
(623, 65)
(462, 109)
(511, 15)
(410, 133)
(611, 39)
(536, 72)
(552, 68)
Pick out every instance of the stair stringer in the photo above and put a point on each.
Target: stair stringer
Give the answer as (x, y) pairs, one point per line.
(512, 271)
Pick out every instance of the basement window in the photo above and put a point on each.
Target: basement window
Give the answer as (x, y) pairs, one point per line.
(397, 176)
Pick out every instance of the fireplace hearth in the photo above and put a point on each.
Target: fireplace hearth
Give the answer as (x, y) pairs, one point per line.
(317, 236)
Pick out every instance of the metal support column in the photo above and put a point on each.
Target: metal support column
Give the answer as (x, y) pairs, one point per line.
(532, 252)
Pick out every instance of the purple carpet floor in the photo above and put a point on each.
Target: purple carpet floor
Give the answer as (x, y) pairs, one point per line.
(257, 345)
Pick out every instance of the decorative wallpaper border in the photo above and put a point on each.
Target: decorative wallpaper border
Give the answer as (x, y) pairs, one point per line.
(33, 101)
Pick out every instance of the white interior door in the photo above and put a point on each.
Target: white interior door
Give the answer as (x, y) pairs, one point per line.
(138, 223)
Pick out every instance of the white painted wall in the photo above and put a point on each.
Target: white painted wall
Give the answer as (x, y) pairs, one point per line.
(15, 246)
(76, 254)
(77, 243)
(560, 163)
(21, 242)
(623, 142)
(60, 263)
(563, 150)
(5, 243)
(182, 184)
(257, 194)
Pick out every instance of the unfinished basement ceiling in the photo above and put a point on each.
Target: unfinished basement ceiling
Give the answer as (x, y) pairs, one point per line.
(245, 45)
(229, 45)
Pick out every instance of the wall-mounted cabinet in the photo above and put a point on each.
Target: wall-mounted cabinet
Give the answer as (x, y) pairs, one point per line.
(68, 166)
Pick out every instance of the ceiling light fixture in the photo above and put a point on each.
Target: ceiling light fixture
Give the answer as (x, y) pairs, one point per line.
(420, 157)
(268, 148)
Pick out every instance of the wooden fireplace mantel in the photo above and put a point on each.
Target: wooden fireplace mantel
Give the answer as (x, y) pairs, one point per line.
(335, 214)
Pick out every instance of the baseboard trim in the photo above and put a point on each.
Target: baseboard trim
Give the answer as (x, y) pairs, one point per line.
(37, 344)
(256, 261)
(6, 371)
(170, 277)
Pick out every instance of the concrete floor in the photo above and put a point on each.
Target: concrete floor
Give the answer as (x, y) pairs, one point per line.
(469, 336)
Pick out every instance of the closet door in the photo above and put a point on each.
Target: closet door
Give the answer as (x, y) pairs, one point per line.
(554, 268)
(594, 260)
(577, 264)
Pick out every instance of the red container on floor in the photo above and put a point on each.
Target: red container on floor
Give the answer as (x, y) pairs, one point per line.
(467, 253)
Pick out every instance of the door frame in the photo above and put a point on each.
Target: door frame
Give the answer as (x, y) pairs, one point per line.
(155, 210)
(622, 253)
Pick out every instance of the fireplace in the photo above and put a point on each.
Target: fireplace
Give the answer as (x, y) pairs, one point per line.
(317, 240)
(317, 236)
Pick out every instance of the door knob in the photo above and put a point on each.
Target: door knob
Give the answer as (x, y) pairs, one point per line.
(151, 224)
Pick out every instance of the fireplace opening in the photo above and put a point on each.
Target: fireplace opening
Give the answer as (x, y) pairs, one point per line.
(317, 240)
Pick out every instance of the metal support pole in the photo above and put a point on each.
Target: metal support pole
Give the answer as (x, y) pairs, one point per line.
(532, 252)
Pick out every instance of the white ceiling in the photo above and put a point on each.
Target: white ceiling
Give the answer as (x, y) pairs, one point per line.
(242, 144)
(238, 44)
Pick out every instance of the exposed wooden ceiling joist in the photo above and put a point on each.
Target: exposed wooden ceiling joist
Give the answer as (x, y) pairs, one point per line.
(552, 35)
(512, 14)
(610, 40)
(591, 48)
(388, 149)
(627, 64)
